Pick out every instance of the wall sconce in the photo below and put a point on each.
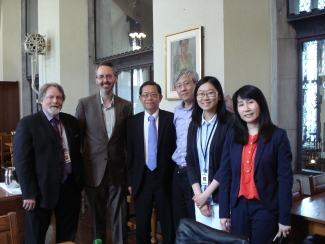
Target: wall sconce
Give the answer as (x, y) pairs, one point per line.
(34, 45)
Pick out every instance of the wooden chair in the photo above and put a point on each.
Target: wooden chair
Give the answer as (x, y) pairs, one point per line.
(317, 184)
(297, 191)
(8, 229)
(154, 235)
(4, 149)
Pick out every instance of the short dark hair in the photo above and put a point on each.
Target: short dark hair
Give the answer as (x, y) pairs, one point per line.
(221, 108)
(266, 127)
(187, 73)
(109, 64)
(45, 87)
(150, 83)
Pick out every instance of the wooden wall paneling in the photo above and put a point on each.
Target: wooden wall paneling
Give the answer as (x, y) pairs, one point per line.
(9, 106)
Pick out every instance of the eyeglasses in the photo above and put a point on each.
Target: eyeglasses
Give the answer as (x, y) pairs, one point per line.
(210, 94)
(146, 95)
(186, 84)
(102, 77)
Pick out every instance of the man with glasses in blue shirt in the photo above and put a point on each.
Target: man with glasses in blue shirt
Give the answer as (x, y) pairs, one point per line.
(183, 206)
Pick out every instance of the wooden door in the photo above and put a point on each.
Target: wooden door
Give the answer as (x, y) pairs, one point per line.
(9, 106)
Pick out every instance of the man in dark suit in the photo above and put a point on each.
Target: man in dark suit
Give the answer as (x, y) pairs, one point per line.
(102, 122)
(49, 168)
(151, 143)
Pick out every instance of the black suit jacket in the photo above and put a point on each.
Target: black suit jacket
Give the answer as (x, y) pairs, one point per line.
(192, 159)
(38, 157)
(165, 149)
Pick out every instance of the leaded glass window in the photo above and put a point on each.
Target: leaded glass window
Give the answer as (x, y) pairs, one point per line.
(298, 6)
(308, 5)
(313, 94)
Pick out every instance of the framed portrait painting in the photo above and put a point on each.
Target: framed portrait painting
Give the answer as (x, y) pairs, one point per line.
(182, 50)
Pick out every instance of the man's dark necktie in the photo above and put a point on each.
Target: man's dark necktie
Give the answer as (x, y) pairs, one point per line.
(64, 174)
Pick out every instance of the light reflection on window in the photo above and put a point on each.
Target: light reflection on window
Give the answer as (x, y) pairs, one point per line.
(306, 5)
(128, 88)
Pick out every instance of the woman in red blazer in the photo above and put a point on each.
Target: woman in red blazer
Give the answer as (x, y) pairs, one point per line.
(255, 172)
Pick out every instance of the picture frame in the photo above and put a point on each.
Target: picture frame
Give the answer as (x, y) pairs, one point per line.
(182, 50)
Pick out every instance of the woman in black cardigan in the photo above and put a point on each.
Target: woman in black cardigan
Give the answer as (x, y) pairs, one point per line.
(206, 136)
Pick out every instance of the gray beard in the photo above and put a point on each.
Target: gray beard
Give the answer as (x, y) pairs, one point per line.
(53, 111)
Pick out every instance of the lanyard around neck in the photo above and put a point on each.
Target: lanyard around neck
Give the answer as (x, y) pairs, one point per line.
(204, 152)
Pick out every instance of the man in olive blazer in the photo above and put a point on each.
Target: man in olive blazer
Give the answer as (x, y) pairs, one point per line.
(102, 121)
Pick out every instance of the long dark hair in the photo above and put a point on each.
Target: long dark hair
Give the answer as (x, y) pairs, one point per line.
(266, 127)
(221, 108)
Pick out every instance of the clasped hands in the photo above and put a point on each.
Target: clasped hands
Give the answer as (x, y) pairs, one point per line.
(200, 200)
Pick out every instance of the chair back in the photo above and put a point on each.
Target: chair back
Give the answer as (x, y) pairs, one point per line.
(190, 231)
(297, 191)
(8, 229)
(4, 150)
(317, 184)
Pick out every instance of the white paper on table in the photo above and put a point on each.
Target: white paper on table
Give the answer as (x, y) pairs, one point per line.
(13, 191)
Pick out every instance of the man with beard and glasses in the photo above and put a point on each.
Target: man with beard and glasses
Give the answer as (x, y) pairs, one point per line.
(102, 122)
(49, 168)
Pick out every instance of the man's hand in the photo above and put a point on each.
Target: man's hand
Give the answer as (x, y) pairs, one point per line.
(130, 189)
(29, 204)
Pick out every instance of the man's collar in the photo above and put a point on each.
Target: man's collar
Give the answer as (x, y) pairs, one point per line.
(102, 101)
(182, 105)
(49, 117)
(155, 114)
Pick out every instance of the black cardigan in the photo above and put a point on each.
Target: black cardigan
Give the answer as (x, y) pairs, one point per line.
(192, 160)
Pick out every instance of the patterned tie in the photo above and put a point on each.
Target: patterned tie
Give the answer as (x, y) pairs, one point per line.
(64, 174)
(152, 144)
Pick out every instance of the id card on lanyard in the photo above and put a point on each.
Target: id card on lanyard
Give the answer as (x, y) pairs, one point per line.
(204, 179)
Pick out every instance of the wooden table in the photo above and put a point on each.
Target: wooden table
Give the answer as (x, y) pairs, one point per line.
(13, 203)
(308, 217)
(12, 157)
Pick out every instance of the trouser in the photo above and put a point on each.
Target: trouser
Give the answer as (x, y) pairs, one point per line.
(183, 205)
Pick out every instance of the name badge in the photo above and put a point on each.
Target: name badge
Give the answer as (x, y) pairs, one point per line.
(204, 179)
(67, 156)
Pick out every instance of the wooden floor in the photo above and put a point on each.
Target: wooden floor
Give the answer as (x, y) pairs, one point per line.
(84, 231)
